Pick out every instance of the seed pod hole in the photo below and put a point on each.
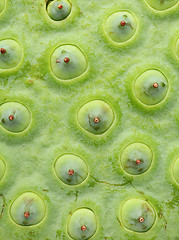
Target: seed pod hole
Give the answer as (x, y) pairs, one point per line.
(58, 10)
(162, 5)
(136, 158)
(28, 209)
(71, 169)
(175, 170)
(137, 215)
(2, 169)
(120, 26)
(151, 87)
(14, 117)
(68, 62)
(82, 224)
(96, 116)
(10, 54)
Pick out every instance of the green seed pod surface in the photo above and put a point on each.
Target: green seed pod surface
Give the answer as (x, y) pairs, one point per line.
(175, 170)
(2, 4)
(14, 117)
(137, 215)
(71, 169)
(120, 26)
(10, 54)
(68, 62)
(96, 116)
(162, 5)
(136, 158)
(59, 10)
(82, 224)
(2, 168)
(28, 209)
(151, 87)
(177, 48)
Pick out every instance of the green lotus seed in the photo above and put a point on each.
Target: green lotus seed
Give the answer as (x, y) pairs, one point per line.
(28, 209)
(175, 170)
(68, 62)
(2, 4)
(151, 87)
(161, 5)
(96, 116)
(136, 158)
(14, 117)
(71, 169)
(59, 10)
(10, 54)
(120, 26)
(137, 215)
(82, 224)
(2, 168)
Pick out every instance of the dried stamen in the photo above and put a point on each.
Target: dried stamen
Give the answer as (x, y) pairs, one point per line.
(96, 120)
(155, 85)
(71, 172)
(60, 6)
(11, 117)
(123, 23)
(66, 60)
(138, 161)
(141, 219)
(26, 214)
(3, 51)
(83, 228)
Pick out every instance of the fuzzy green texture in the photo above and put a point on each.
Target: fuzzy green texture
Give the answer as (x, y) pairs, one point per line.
(54, 130)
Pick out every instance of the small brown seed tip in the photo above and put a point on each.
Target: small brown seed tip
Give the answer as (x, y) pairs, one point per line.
(60, 6)
(71, 172)
(3, 50)
(96, 120)
(26, 214)
(11, 117)
(83, 228)
(155, 85)
(66, 60)
(141, 219)
(123, 23)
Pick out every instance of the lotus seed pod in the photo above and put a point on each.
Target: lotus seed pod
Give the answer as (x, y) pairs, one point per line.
(14, 117)
(28, 209)
(137, 215)
(120, 26)
(10, 54)
(2, 4)
(136, 158)
(161, 5)
(175, 170)
(151, 87)
(82, 224)
(68, 62)
(96, 116)
(59, 10)
(71, 169)
(2, 169)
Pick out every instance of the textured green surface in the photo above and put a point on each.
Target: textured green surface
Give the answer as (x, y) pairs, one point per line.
(112, 69)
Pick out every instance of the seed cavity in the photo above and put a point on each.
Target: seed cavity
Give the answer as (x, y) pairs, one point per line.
(120, 26)
(71, 169)
(136, 158)
(151, 87)
(87, 117)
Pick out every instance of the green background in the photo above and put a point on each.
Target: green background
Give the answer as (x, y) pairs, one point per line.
(54, 130)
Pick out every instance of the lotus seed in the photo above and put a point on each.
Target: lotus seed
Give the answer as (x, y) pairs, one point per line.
(59, 10)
